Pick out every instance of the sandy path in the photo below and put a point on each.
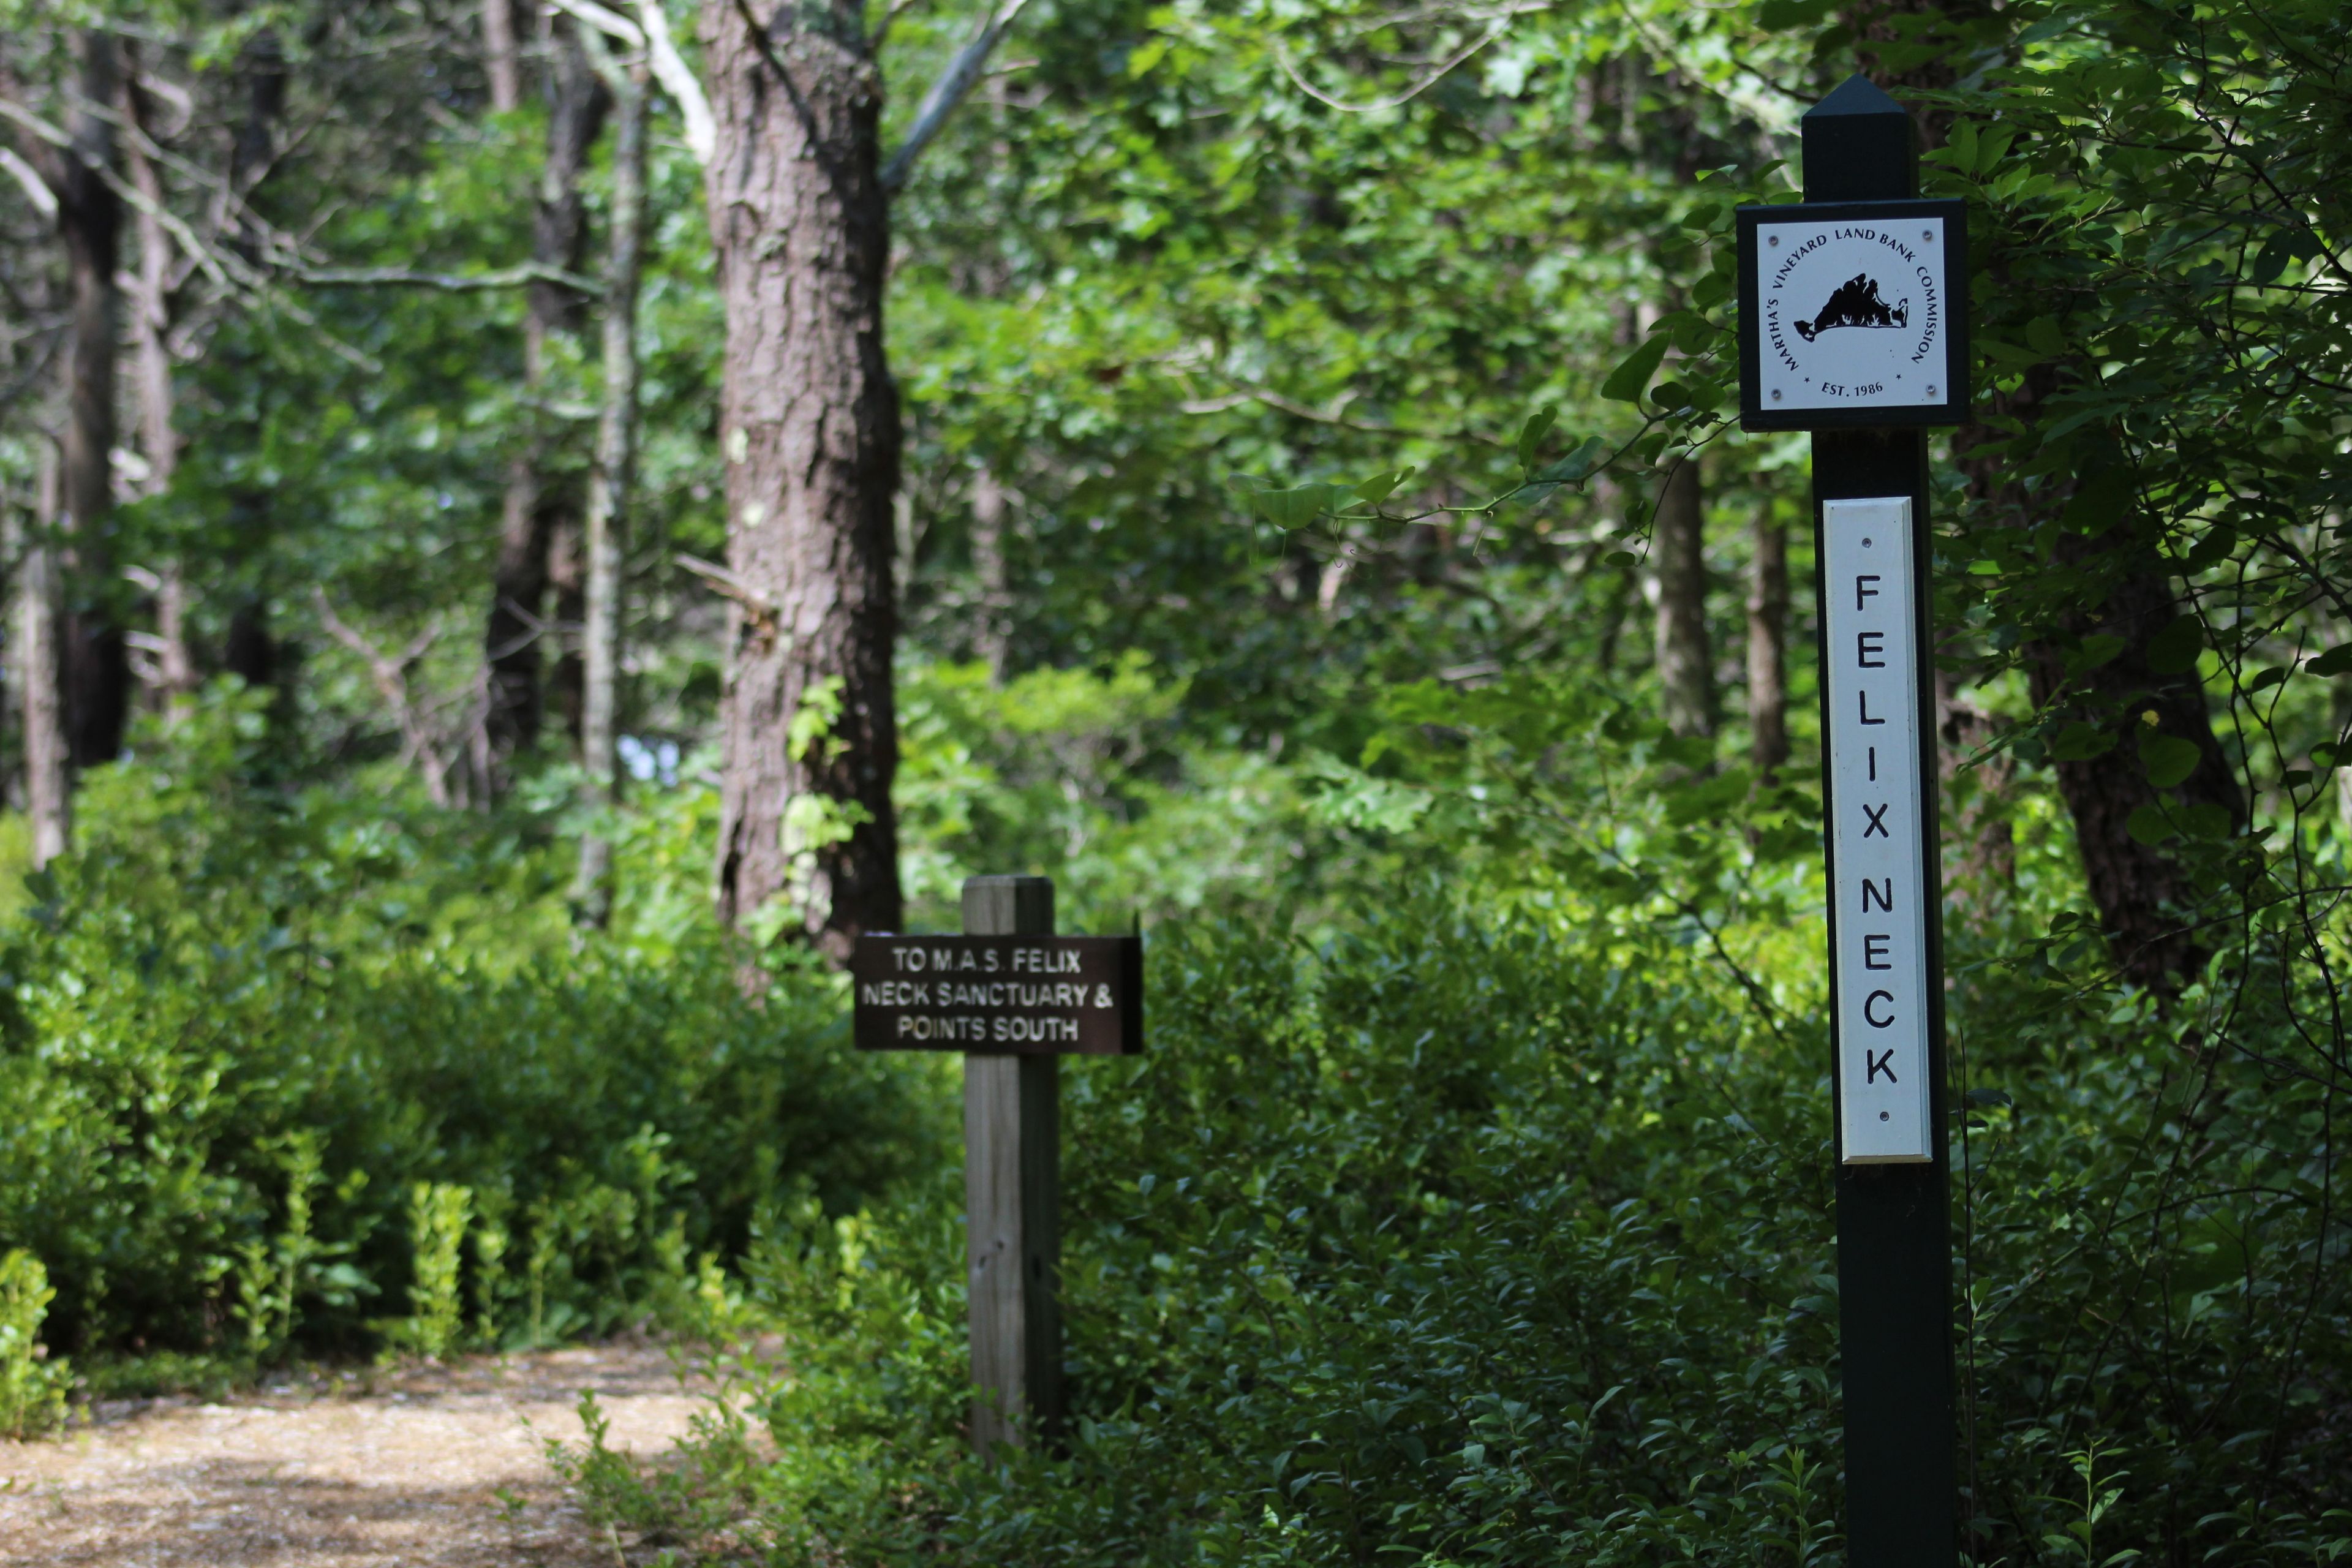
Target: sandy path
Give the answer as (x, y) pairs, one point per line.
(336, 1474)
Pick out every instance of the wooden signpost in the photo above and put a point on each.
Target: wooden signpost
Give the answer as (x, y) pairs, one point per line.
(1852, 325)
(1014, 998)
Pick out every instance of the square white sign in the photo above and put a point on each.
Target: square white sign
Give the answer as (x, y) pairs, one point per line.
(1854, 314)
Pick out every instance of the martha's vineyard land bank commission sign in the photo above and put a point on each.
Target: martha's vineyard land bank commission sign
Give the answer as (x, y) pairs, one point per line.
(1850, 312)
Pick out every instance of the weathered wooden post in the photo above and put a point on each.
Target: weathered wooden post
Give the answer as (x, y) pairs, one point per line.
(1014, 998)
(1852, 326)
(1012, 1190)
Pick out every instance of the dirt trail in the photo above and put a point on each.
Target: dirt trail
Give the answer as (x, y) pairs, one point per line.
(428, 1469)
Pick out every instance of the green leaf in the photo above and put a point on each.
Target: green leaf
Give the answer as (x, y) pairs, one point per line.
(2047, 338)
(2174, 649)
(2205, 820)
(2079, 743)
(2099, 649)
(2149, 826)
(1790, 15)
(2168, 758)
(1379, 487)
(1532, 433)
(2102, 500)
(1578, 465)
(1630, 379)
(1300, 505)
(2335, 661)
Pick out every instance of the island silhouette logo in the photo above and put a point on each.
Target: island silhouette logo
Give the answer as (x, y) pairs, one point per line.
(1851, 313)
(1855, 304)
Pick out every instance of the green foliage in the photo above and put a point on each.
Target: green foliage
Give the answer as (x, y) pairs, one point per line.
(1471, 1237)
(243, 1026)
(32, 1387)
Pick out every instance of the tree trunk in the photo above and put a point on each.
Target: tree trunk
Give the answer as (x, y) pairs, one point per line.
(536, 514)
(992, 637)
(611, 487)
(809, 423)
(250, 649)
(96, 671)
(501, 61)
(48, 800)
(1767, 642)
(1685, 657)
(2139, 888)
(173, 673)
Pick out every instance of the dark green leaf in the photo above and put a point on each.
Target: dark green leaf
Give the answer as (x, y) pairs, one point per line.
(2168, 758)
(2079, 743)
(1632, 377)
(2174, 649)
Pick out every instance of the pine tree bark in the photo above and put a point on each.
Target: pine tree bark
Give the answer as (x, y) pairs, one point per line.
(1684, 654)
(611, 485)
(96, 669)
(48, 798)
(536, 514)
(809, 427)
(1767, 642)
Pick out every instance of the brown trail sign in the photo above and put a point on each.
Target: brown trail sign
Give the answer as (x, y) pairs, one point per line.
(1016, 999)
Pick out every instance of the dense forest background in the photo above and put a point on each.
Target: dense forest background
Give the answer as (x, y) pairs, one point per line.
(529, 526)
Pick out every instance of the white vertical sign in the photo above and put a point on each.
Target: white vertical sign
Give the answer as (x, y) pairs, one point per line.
(1878, 892)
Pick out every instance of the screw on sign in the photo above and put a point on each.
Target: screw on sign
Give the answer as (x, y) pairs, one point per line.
(1852, 325)
(1016, 999)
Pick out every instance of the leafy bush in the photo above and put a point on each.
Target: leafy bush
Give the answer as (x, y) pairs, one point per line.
(1509, 1239)
(241, 1028)
(32, 1387)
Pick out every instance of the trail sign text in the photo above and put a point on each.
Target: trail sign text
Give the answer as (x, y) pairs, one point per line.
(1878, 893)
(1018, 995)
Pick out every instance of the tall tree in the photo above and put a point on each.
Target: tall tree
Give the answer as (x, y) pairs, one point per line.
(1768, 640)
(171, 672)
(611, 480)
(96, 671)
(809, 427)
(33, 653)
(1685, 653)
(540, 519)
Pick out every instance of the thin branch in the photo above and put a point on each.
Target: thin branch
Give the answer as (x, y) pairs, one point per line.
(515, 276)
(604, 21)
(670, 70)
(762, 607)
(1282, 57)
(948, 92)
(890, 19)
(37, 190)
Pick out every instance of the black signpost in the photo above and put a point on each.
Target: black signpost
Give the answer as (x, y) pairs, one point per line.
(1016, 999)
(1852, 325)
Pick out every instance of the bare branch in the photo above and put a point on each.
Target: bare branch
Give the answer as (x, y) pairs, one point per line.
(670, 70)
(37, 190)
(515, 276)
(948, 91)
(762, 608)
(1282, 57)
(604, 21)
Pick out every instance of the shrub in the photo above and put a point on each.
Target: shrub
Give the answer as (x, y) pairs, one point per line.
(32, 1387)
(1510, 1241)
(237, 1028)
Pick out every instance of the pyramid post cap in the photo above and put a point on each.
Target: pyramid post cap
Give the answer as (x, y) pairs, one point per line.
(1855, 96)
